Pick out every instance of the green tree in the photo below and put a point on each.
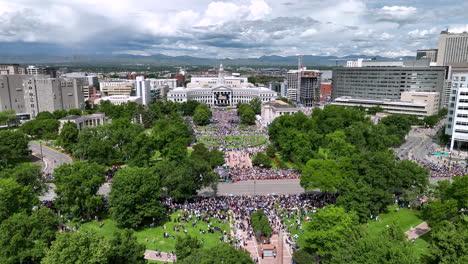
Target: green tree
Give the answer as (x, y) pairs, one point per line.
(41, 128)
(68, 136)
(222, 253)
(140, 150)
(121, 133)
(15, 198)
(126, 249)
(74, 111)
(185, 246)
(260, 224)
(327, 175)
(90, 248)
(248, 117)
(25, 238)
(271, 151)
(8, 118)
(202, 115)
(135, 196)
(328, 230)
(77, 247)
(448, 244)
(301, 256)
(13, 147)
(261, 159)
(431, 121)
(188, 108)
(27, 175)
(390, 246)
(216, 158)
(58, 114)
(44, 116)
(374, 110)
(95, 145)
(256, 105)
(76, 187)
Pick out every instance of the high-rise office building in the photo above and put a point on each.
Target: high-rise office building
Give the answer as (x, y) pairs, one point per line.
(308, 93)
(51, 94)
(143, 89)
(429, 54)
(453, 48)
(457, 125)
(387, 80)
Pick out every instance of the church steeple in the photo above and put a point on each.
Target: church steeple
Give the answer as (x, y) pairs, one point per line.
(221, 75)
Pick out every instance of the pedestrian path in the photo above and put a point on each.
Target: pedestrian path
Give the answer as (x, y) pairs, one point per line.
(164, 257)
(418, 231)
(255, 249)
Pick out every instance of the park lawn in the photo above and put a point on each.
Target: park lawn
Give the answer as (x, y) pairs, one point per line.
(280, 159)
(206, 128)
(146, 235)
(155, 261)
(404, 218)
(421, 244)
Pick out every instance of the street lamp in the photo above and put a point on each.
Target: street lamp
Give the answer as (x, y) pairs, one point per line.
(42, 156)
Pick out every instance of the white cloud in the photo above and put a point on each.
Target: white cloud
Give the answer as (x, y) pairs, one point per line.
(397, 14)
(233, 28)
(422, 34)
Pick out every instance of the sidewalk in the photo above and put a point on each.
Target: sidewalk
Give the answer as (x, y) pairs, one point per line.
(418, 231)
(151, 254)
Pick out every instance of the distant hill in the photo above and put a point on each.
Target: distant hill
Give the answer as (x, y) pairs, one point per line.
(164, 60)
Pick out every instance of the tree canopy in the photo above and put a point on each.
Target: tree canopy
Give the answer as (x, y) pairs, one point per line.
(222, 253)
(25, 238)
(13, 147)
(88, 248)
(76, 188)
(134, 197)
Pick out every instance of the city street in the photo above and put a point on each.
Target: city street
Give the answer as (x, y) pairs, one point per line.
(52, 160)
(260, 187)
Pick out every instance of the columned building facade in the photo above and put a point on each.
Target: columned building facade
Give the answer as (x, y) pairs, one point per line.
(219, 92)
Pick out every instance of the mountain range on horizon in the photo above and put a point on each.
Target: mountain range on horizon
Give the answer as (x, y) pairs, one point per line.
(165, 60)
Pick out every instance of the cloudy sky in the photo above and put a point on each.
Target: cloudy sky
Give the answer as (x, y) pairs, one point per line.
(227, 28)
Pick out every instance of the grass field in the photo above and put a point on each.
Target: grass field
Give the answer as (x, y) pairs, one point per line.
(403, 217)
(146, 235)
(279, 161)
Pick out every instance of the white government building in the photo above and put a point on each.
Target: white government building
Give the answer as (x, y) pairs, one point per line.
(221, 91)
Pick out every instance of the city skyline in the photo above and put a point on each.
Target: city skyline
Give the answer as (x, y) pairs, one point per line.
(223, 29)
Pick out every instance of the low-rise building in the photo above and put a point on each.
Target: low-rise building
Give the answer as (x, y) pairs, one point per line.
(119, 99)
(277, 108)
(420, 104)
(120, 87)
(83, 121)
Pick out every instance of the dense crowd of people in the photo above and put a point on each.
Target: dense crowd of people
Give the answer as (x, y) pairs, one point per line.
(245, 174)
(444, 170)
(226, 133)
(237, 210)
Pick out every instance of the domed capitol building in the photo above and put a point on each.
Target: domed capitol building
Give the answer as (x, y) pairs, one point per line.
(221, 91)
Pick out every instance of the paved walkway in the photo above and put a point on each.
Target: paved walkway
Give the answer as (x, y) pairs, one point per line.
(255, 249)
(418, 231)
(151, 254)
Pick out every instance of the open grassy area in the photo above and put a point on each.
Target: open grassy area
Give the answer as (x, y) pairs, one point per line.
(403, 217)
(146, 235)
(279, 161)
